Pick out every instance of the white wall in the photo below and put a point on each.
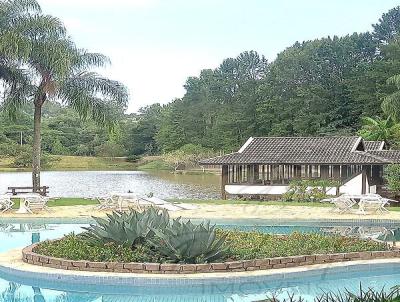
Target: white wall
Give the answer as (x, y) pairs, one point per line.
(352, 187)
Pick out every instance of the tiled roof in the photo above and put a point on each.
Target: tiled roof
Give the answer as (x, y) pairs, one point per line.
(374, 145)
(305, 150)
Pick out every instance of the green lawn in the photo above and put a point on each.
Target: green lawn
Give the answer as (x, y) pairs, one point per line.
(64, 202)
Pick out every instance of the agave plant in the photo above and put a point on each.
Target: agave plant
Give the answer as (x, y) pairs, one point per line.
(186, 242)
(130, 228)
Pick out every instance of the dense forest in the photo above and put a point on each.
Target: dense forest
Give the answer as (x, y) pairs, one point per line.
(328, 86)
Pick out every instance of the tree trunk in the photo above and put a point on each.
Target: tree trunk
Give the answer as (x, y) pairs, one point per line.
(37, 146)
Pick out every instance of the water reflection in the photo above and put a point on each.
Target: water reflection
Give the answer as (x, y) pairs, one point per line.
(17, 235)
(366, 232)
(97, 183)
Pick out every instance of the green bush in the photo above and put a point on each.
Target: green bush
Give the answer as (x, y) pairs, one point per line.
(133, 158)
(24, 160)
(392, 175)
(308, 190)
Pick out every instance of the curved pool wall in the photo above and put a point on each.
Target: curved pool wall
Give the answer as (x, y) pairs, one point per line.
(307, 284)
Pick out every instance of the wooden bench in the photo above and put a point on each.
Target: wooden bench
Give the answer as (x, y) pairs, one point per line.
(20, 190)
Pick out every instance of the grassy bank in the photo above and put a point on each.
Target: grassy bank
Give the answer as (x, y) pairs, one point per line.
(62, 163)
(64, 202)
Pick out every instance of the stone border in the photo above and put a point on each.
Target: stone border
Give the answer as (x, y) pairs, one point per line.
(31, 257)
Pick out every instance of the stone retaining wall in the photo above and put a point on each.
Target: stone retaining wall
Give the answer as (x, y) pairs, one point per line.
(31, 257)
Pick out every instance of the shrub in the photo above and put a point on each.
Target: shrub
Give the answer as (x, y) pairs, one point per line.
(308, 190)
(392, 175)
(133, 158)
(24, 159)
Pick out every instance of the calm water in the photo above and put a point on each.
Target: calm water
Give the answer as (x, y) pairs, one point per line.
(97, 183)
(17, 289)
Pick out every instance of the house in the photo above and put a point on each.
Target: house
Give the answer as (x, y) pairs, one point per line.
(266, 165)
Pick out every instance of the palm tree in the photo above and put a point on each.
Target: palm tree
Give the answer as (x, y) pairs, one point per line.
(379, 129)
(50, 67)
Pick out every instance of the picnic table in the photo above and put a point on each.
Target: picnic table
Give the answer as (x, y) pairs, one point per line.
(44, 190)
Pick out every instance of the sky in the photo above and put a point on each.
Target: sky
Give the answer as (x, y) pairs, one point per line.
(155, 45)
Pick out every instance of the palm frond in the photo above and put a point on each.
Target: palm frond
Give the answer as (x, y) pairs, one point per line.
(38, 26)
(97, 85)
(95, 96)
(87, 60)
(394, 80)
(391, 105)
(15, 99)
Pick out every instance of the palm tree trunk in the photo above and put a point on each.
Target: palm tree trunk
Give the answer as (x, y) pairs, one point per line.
(37, 146)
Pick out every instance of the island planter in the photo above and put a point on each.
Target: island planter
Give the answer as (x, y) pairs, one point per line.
(29, 256)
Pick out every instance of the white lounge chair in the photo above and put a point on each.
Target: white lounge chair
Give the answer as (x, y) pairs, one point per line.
(107, 203)
(373, 203)
(33, 204)
(343, 203)
(5, 203)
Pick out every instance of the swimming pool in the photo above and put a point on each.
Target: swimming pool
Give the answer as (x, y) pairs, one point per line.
(306, 284)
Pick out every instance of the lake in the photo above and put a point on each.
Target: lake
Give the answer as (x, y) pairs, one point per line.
(162, 184)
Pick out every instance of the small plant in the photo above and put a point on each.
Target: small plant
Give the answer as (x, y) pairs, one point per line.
(308, 190)
(185, 242)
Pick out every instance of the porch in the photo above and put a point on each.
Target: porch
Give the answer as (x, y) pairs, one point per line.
(274, 179)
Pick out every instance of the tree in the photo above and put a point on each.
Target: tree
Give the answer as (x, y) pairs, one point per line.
(379, 129)
(392, 175)
(391, 99)
(58, 71)
(388, 26)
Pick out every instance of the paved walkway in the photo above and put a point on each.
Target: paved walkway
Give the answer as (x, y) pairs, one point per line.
(222, 212)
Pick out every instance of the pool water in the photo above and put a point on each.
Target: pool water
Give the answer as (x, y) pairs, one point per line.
(307, 285)
(18, 235)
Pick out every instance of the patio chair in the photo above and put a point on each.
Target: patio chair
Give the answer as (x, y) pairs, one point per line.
(5, 203)
(373, 204)
(343, 203)
(107, 203)
(39, 203)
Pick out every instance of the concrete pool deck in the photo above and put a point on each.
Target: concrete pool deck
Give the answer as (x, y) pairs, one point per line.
(11, 263)
(225, 212)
